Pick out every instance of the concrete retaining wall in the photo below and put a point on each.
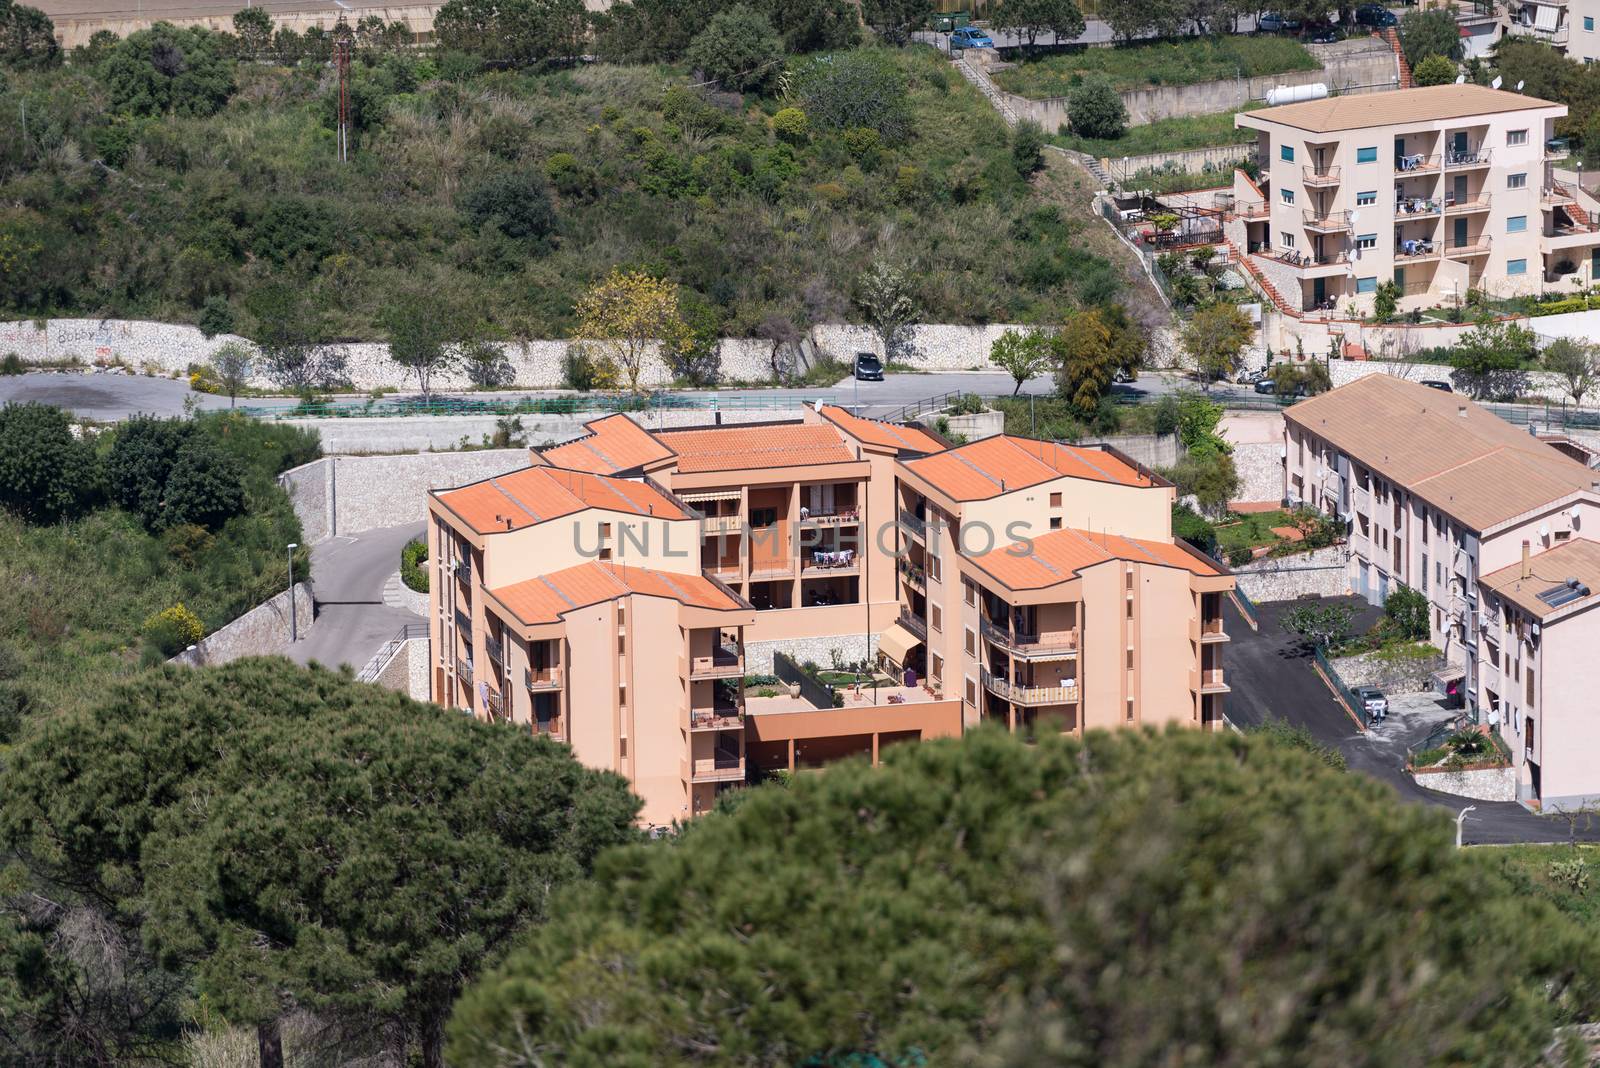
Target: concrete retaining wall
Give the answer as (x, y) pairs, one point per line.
(1152, 450)
(349, 494)
(407, 671)
(262, 631)
(1323, 573)
(1391, 676)
(852, 647)
(1260, 468)
(1480, 784)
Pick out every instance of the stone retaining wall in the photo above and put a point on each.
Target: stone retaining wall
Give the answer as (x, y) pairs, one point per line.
(1391, 676)
(407, 671)
(349, 494)
(852, 647)
(262, 631)
(1480, 784)
(1260, 468)
(1322, 573)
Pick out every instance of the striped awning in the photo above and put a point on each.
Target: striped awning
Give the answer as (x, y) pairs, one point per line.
(710, 495)
(896, 641)
(1545, 18)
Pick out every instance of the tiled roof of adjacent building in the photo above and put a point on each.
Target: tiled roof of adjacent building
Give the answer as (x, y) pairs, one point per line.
(538, 494)
(614, 443)
(1004, 463)
(877, 432)
(1553, 572)
(1463, 460)
(1395, 107)
(547, 598)
(1061, 554)
(740, 448)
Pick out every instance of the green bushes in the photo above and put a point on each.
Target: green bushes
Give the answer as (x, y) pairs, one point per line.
(46, 474)
(12, 364)
(1193, 528)
(412, 558)
(169, 473)
(1140, 65)
(174, 629)
(1096, 111)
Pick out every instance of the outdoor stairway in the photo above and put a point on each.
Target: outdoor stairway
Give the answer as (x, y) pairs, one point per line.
(1578, 216)
(988, 89)
(1092, 165)
(1392, 38)
(1270, 290)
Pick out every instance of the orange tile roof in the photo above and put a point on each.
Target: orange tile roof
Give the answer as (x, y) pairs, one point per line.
(1061, 555)
(1004, 463)
(877, 432)
(539, 494)
(614, 443)
(547, 598)
(740, 448)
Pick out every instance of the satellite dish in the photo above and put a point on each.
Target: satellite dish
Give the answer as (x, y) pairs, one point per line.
(1496, 83)
(1460, 78)
(1520, 84)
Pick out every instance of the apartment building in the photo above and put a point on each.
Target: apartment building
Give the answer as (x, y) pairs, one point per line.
(1440, 189)
(1565, 25)
(617, 593)
(1446, 498)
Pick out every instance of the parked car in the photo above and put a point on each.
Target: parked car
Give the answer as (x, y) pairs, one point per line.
(1272, 22)
(971, 37)
(1266, 385)
(868, 367)
(1439, 384)
(1122, 375)
(1373, 701)
(1251, 377)
(1322, 35)
(1376, 16)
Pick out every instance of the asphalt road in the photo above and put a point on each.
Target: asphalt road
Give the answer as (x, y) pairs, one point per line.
(68, 10)
(1271, 676)
(347, 579)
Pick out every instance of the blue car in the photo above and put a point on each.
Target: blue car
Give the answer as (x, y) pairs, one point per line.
(971, 37)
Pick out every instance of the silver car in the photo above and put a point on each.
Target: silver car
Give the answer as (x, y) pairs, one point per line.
(1375, 703)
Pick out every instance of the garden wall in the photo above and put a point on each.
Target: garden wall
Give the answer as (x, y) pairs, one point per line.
(1391, 676)
(1480, 784)
(407, 670)
(262, 631)
(1260, 468)
(349, 494)
(1321, 572)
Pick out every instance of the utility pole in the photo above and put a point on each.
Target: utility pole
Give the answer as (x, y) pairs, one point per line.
(1461, 818)
(294, 623)
(341, 59)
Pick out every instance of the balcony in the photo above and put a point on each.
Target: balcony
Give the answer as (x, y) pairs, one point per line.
(915, 624)
(463, 571)
(1478, 246)
(464, 671)
(496, 704)
(1556, 196)
(1416, 164)
(1211, 681)
(1452, 206)
(715, 769)
(1053, 645)
(1019, 694)
(1210, 630)
(1489, 674)
(1326, 222)
(542, 679)
(1409, 208)
(772, 569)
(722, 570)
(909, 522)
(1321, 177)
(838, 518)
(720, 718)
(1557, 148)
(1467, 160)
(723, 663)
(1416, 251)
(1305, 262)
(1253, 209)
(915, 577)
(830, 562)
(496, 650)
(721, 524)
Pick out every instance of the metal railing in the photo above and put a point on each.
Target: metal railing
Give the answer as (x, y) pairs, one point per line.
(1018, 694)
(1342, 693)
(915, 625)
(1452, 206)
(380, 659)
(1025, 645)
(1247, 608)
(720, 718)
(1326, 220)
(1478, 157)
(915, 576)
(544, 679)
(1477, 247)
(464, 670)
(496, 650)
(1415, 164)
(1319, 176)
(580, 404)
(917, 526)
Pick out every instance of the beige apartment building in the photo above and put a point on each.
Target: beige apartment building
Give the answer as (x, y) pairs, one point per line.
(1488, 523)
(1442, 190)
(617, 593)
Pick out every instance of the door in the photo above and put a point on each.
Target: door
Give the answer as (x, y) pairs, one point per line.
(1400, 279)
(1458, 189)
(1460, 240)
(1399, 149)
(1594, 264)
(1319, 291)
(1383, 587)
(1459, 142)
(1361, 580)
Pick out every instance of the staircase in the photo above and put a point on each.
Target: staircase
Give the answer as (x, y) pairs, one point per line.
(979, 78)
(1266, 287)
(1088, 163)
(1392, 38)
(1579, 217)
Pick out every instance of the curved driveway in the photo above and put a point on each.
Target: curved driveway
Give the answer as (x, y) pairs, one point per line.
(347, 579)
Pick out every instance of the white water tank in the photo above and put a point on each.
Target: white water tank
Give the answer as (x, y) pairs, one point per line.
(1293, 94)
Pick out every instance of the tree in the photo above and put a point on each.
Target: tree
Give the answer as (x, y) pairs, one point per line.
(1385, 299)
(1086, 359)
(1575, 362)
(166, 69)
(216, 314)
(1022, 355)
(1209, 476)
(424, 336)
(627, 315)
(1030, 18)
(1489, 357)
(860, 89)
(1286, 378)
(169, 474)
(233, 364)
(1434, 70)
(992, 903)
(1215, 339)
(515, 33)
(207, 815)
(27, 38)
(894, 20)
(205, 487)
(1127, 18)
(1027, 147)
(886, 299)
(1095, 111)
(46, 474)
(1320, 624)
(739, 50)
(253, 27)
(1408, 610)
(1430, 32)
(516, 203)
(288, 328)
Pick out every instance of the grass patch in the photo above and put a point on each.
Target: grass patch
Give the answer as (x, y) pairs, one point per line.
(1053, 419)
(1252, 530)
(1147, 63)
(79, 593)
(1166, 135)
(1568, 876)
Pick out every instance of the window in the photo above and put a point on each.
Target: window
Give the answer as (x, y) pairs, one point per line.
(1286, 239)
(1286, 153)
(970, 593)
(935, 617)
(972, 692)
(1517, 137)
(1367, 285)
(1366, 241)
(1530, 685)
(935, 569)
(1127, 581)
(1130, 710)
(763, 517)
(1055, 522)
(1516, 266)
(1367, 155)
(1055, 500)
(937, 665)
(1368, 197)
(1130, 659)
(1424, 570)
(1287, 195)
(1517, 181)
(1588, 24)
(972, 643)
(1517, 224)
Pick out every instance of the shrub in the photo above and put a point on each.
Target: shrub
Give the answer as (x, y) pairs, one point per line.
(1027, 147)
(12, 365)
(46, 474)
(739, 50)
(1408, 609)
(216, 314)
(1434, 70)
(791, 126)
(205, 487)
(167, 472)
(515, 203)
(861, 88)
(1193, 528)
(862, 141)
(1095, 110)
(584, 369)
(412, 557)
(174, 629)
(1572, 873)
(1240, 555)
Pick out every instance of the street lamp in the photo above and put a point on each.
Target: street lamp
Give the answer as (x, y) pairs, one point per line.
(1460, 819)
(294, 623)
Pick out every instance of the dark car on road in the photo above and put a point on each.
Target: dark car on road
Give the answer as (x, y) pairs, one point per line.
(1272, 22)
(1375, 15)
(1321, 35)
(868, 368)
(1439, 384)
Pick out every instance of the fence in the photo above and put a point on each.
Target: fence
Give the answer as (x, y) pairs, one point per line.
(576, 404)
(1352, 704)
(380, 660)
(816, 693)
(1247, 608)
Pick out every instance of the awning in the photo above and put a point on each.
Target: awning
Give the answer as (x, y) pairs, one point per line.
(895, 642)
(1546, 17)
(711, 495)
(1448, 681)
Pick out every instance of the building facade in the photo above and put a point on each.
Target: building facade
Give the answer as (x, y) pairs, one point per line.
(1441, 190)
(621, 592)
(1443, 497)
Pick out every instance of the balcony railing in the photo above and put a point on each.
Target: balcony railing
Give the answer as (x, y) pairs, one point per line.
(464, 670)
(716, 769)
(842, 560)
(1327, 221)
(1211, 679)
(463, 571)
(914, 624)
(1211, 629)
(720, 718)
(495, 649)
(1556, 196)
(725, 570)
(915, 576)
(1416, 163)
(1253, 209)
(1458, 159)
(1407, 208)
(496, 704)
(1292, 258)
(1321, 176)
(543, 679)
(722, 664)
(1557, 148)
(1024, 645)
(838, 517)
(721, 524)
(1452, 206)
(910, 522)
(1019, 694)
(1478, 246)
(1413, 249)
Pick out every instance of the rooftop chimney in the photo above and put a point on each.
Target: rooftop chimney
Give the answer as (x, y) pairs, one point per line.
(1526, 570)
(1461, 410)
